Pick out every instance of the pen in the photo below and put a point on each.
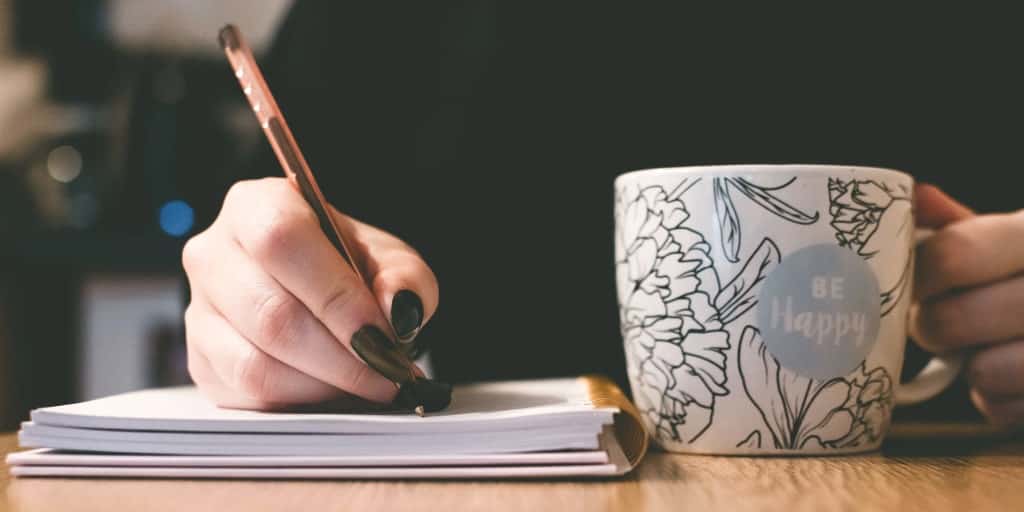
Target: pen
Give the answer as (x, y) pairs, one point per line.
(414, 392)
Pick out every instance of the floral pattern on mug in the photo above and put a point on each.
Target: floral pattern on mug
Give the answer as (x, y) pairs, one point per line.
(867, 215)
(673, 309)
(764, 196)
(800, 412)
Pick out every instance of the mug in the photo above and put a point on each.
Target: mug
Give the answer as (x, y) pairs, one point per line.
(763, 308)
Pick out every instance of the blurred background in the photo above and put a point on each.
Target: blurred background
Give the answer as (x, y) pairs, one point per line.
(110, 117)
(114, 116)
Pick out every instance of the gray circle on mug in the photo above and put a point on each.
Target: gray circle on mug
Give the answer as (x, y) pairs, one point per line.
(819, 311)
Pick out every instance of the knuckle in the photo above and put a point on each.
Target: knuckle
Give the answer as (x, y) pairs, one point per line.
(266, 232)
(274, 235)
(252, 375)
(339, 299)
(239, 192)
(271, 237)
(275, 320)
(193, 252)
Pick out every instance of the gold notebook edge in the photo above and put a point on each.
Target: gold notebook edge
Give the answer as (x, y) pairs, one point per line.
(629, 427)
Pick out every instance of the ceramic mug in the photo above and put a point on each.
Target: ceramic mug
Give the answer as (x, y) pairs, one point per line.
(763, 308)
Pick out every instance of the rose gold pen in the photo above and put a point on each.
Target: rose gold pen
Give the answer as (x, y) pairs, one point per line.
(416, 392)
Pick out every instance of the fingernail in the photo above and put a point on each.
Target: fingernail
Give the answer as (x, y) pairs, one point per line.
(381, 354)
(406, 314)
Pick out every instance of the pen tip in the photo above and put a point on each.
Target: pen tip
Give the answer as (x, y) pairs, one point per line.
(423, 393)
(419, 410)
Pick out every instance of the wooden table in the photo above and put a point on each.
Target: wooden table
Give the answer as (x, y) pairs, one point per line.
(922, 467)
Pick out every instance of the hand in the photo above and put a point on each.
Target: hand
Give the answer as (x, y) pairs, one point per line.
(275, 309)
(971, 289)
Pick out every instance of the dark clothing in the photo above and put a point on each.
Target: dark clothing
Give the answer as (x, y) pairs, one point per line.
(487, 135)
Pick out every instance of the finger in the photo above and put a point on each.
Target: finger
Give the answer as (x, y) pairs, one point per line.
(998, 370)
(246, 370)
(977, 316)
(971, 252)
(935, 209)
(285, 238)
(219, 393)
(216, 391)
(211, 385)
(404, 286)
(266, 314)
(1005, 412)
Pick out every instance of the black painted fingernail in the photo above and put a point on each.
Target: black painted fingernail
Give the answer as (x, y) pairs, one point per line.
(406, 314)
(381, 354)
(430, 394)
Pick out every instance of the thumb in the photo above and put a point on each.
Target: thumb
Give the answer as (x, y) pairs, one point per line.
(935, 209)
(404, 285)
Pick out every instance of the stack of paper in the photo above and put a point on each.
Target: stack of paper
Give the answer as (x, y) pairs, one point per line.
(505, 429)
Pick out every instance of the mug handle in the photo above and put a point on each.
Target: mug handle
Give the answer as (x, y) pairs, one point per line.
(938, 374)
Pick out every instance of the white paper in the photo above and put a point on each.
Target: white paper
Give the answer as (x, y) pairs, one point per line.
(475, 408)
(608, 462)
(115, 441)
(519, 429)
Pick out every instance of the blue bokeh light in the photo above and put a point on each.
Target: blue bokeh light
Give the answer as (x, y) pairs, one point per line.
(176, 217)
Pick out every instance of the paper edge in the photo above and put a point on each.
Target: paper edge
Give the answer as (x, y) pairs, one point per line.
(477, 472)
(49, 457)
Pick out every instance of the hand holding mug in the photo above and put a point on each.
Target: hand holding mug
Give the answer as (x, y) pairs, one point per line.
(971, 295)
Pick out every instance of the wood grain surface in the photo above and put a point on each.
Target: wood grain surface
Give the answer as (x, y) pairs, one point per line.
(922, 467)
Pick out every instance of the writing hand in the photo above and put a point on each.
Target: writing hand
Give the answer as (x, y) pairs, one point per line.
(277, 315)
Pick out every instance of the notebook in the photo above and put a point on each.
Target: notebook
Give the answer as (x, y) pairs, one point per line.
(519, 429)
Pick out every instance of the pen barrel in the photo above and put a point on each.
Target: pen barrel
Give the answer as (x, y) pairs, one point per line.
(296, 169)
(258, 94)
(294, 165)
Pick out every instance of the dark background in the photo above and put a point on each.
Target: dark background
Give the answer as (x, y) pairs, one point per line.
(487, 135)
